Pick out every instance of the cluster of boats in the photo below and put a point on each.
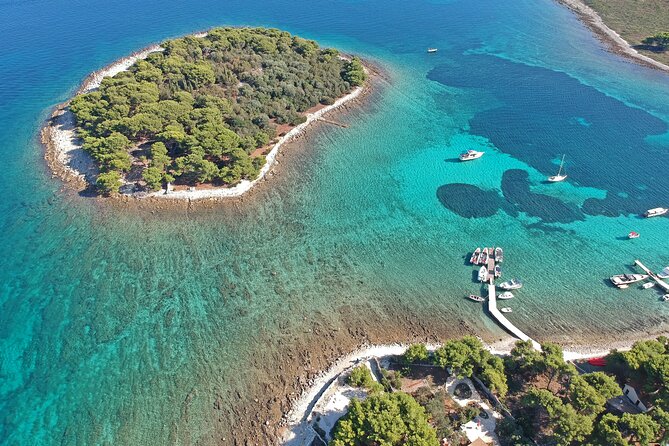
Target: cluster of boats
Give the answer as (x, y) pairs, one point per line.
(623, 281)
(481, 256)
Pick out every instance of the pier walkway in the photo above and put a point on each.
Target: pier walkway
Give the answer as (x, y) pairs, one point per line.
(661, 283)
(503, 321)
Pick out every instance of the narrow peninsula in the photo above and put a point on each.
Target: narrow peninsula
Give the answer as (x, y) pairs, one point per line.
(198, 116)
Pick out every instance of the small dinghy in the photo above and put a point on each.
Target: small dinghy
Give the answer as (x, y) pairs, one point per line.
(665, 298)
(647, 285)
(506, 310)
(505, 295)
(475, 298)
(632, 235)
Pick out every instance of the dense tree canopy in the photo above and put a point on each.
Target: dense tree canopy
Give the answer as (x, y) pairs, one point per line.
(196, 111)
(388, 419)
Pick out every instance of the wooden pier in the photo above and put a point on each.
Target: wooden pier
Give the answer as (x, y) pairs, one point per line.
(503, 321)
(661, 283)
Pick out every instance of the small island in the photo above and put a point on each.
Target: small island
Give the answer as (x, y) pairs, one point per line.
(204, 110)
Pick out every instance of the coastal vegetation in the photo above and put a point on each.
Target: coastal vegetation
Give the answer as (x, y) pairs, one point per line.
(203, 109)
(545, 399)
(635, 21)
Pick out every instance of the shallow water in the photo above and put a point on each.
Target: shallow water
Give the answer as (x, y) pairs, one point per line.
(117, 328)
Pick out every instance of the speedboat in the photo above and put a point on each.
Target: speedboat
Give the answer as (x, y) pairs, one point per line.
(623, 280)
(470, 155)
(498, 271)
(474, 260)
(655, 212)
(633, 235)
(506, 310)
(665, 298)
(505, 295)
(647, 285)
(475, 298)
(560, 176)
(499, 255)
(432, 50)
(483, 274)
(483, 259)
(512, 284)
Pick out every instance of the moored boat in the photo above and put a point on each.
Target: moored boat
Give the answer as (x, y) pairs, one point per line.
(664, 274)
(483, 258)
(432, 50)
(483, 274)
(648, 285)
(506, 295)
(560, 176)
(506, 310)
(475, 298)
(655, 212)
(474, 260)
(665, 298)
(498, 271)
(499, 255)
(623, 280)
(633, 235)
(597, 362)
(512, 284)
(470, 155)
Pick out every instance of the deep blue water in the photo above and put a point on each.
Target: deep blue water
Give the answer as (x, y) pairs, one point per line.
(117, 328)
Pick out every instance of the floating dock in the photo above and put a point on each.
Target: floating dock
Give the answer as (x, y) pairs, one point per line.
(661, 283)
(503, 321)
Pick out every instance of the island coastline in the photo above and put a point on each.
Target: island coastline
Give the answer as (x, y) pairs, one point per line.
(614, 42)
(68, 161)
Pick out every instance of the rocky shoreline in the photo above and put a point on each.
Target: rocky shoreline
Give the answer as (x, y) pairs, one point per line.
(609, 37)
(69, 162)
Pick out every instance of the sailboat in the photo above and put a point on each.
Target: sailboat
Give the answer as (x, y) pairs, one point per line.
(559, 176)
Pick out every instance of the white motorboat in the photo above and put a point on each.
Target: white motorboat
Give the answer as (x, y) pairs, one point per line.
(506, 310)
(664, 274)
(475, 298)
(647, 285)
(560, 176)
(665, 298)
(470, 155)
(498, 271)
(623, 280)
(432, 50)
(499, 255)
(474, 260)
(655, 212)
(512, 284)
(505, 295)
(483, 258)
(483, 274)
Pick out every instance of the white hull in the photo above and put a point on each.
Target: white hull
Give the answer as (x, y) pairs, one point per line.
(557, 178)
(470, 155)
(655, 212)
(505, 296)
(483, 274)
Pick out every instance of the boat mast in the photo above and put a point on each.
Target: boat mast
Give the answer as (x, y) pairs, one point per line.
(560, 169)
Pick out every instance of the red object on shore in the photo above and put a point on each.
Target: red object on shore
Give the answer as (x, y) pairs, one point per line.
(598, 362)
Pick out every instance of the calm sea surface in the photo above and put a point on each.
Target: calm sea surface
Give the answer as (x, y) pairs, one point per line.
(109, 322)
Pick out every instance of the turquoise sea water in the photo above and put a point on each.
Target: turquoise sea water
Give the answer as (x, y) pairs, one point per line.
(118, 328)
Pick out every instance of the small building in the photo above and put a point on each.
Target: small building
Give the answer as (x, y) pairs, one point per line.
(628, 402)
